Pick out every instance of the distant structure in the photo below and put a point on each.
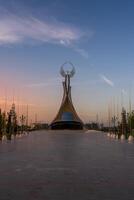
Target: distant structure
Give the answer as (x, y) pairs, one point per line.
(11, 122)
(124, 122)
(67, 117)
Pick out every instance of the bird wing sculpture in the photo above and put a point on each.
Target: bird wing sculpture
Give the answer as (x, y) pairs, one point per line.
(62, 72)
(72, 72)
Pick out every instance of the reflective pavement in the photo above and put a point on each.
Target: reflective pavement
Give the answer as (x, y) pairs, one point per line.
(66, 165)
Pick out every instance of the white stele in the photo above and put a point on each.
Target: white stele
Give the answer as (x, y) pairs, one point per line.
(130, 138)
(108, 134)
(20, 135)
(17, 135)
(116, 137)
(12, 137)
(4, 138)
(122, 137)
(112, 135)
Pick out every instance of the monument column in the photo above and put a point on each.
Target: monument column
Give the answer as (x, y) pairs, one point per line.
(67, 117)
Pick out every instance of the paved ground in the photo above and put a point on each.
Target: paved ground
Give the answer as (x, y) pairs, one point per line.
(66, 166)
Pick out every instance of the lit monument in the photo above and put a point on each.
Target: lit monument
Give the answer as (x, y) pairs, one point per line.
(67, 117)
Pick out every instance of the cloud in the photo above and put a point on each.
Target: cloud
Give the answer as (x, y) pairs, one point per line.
(15, 29)
(124, 92)
(38, 85)
(58, 82)
(18, 29)
(107, 81)
(82, 52)
(49, 82)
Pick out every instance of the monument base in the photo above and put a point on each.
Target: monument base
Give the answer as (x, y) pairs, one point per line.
(71, 125)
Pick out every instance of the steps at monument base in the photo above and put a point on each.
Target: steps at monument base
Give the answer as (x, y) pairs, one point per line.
(72, 125)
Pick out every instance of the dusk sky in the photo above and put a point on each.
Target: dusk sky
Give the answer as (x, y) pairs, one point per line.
(37, 37)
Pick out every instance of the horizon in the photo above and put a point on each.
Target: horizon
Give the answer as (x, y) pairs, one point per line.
(37, 37)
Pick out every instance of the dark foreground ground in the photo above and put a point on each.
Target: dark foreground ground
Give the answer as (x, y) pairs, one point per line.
(66, 165)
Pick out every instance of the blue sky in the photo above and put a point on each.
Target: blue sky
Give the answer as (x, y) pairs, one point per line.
(37, 37)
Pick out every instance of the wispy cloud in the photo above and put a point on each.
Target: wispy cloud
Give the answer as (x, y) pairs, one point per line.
(49, 82)
(82, 52)
(15, 29)
(124, 92)
(57, 81)
(107, 80)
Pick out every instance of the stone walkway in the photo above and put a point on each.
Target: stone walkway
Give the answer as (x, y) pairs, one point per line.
(66, 165)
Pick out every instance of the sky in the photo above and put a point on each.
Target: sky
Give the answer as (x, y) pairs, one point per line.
(37, 37)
